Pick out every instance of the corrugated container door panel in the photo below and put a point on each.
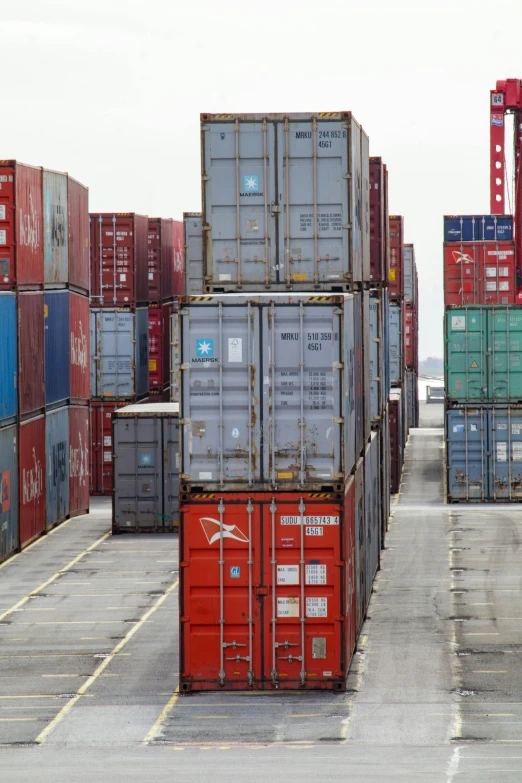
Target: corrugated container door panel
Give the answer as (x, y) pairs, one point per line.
(57, 465)
(396, 273)
(155, 259)
(409, 273)
(178, 261)
(359, 374)
(31, 352)
(396, 428)
(477, 228)
(377, 218)
(351, 447)
(360, 543)
(375, 351)
(193, 246)
(505, 463)
(57, 347)
(32, 479)
(505, 354)
(466, 350)
(56, 233)
(156, 372)
(101, 451)
(119, 259)
(366, 338)
(171, 472)
(349, 540)
(8, 359)
(395, 343)
(78, 226)
(79, 459)
(119, 345)
(9, 501)
(365, 205)
(372, 495)
(79, 331)
(479, 273)
(385, 472)
(467, 453)
(21, 225)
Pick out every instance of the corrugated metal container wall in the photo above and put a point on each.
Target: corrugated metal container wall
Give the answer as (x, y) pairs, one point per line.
(409, 274)
(358, 372)
(119, 353)
(378, 217)
(371, 510)
(412, 382)
(9, 491)
(193, 244)
(273, 584)
(57, 465)
(360, 543)
(395, 350)
(466, 454)
(178, 260)
(79, 347)
(21, 225)
(56, 234)
(396, 273)
(119, 259)
(376, 355)
(100, 456)
(350, 607)
(31, 468)
(78, 225)
(145, 468)
(479, 273)
(57, 347)
(79, 459)
(477, 228)
(31, 352)
(396, 428)
(157, 259)
(156, 336)
(167, 310)
(410, 336)
(366, 338)
(350, 376)
(505, 450)
(385, 472)
(276, 196)
(8, 359)
(386, 344)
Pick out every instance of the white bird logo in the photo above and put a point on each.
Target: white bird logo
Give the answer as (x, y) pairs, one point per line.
(462, 258)
(229, 531)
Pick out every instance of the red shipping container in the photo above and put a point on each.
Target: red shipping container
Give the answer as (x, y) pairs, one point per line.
(160, 259)
(101, 446)
(378, 221)
(156, 339)
(31, 463)
(263, 594)
(78, 209)
(396, 273)
(350, 572)
(79, 462)
(119, 265)
(479, 273)
(21, 226)
(410, 336)
(178, 260)
(31, 351)
(80, 348)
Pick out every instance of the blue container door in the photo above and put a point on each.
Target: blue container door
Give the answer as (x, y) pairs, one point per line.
(8, 359)
(505, 463)
(142, 351)
(57, 347)
(467, 446)
(395, 344)
(8, 491)
(57, 465)
(386, 343)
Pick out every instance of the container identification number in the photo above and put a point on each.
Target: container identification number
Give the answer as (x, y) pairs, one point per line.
(323, 520)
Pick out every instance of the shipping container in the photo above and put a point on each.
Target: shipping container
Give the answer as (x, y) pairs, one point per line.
(395, 344)
(410, 289)
(372, 513)
(366, 342)
(159, 256)
(413, 398)
(32, 472)
(8, 360)
(193, 246)
(386, 343)
(360, 544)
(119, 259)
(78, 227)
(467, 454)
(157, 372)
(285, 202)
(57, 465)
(479, 273)
(350, 575)
(79, 348)
(178, 262)
(410, 338)
(384, 445)
(55, 230)
(79, 459)
(31, 353)
(378, 222)
(21, 226)
(505, 453)
(396, 273)
(477, 228)
(100, 452)
(264, 594)
(57, 348)
(9, 539)
(272, 390)
(377, 347)
(396, 439)
(119, 353)
(146, 468)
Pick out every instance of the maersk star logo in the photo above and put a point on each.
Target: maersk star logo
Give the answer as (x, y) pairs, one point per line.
(251, 183)
(145, 459)
(205, 347)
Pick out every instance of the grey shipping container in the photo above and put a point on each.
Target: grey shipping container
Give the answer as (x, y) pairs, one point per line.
(395, 344)
(57, 465)
(269, 390)
(9, 491)
(56, 233)
(376, 346)
(285, 201)
(360, 545)
(384, 445)
(372, 491)
(409, 273)
(413, 398)
(119, 353)
(146, 468)
(193, 229)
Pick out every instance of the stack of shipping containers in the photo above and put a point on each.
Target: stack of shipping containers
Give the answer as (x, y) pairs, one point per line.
(44, 378)
(483, 342)
(280, 369)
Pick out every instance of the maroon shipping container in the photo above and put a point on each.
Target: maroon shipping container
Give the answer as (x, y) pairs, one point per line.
(101, 446)
(410, 336)
(21, 226)
(395, 416)
(160, 259)
(31, 351)
(79, 461)
(119, 265)
(78, 207)
(156, 340)
(31, 482)
(396, 273)
(378, 221)
(80, 350)
(479, 273)
(178, 259)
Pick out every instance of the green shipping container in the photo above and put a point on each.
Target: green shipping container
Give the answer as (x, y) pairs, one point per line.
(484, 354)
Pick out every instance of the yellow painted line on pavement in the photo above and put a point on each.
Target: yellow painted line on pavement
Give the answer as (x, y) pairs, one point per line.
(211, 717)
(103, 665)
(54, 577)
(39, 696)
(163, 716)
(307, 715)
(38, 541)
(481, 634)
(489, 671)
(16, 720)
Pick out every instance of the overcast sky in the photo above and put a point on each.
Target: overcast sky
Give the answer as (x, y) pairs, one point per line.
(111, 91)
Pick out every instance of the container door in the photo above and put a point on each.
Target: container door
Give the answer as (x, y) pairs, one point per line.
(498, 270)
(57, 465)
(462, 274)
(171, 459)
(56, 234)
(366, 335)
(220, 595)
(8, 359)
(350, 608)
(155, 349)
(32, 479)
(193, 253)
(466, 350)
(9, 491)
(350, 384)
(505, 354)
(118, 352)
(505, 427)
(360, 543)
(303, 629)
(137, 471)
(94, 364)
(395, 345)
(239, 203)
(302, 396)
(142, 352)
(467, 458)
(80, 460)
(57, 347)
(220, 405)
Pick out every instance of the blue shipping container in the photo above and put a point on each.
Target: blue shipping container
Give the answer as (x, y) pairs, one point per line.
(478, 228)
(57, 347)
(57, 465)
(8, 358)
(466, 453)
(386, 342)
(395, 344)
(9, 491)
(505, 449)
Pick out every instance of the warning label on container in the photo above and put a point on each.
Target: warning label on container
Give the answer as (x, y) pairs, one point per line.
(107, 456)
(458, 428)
(458, 321)
(287, 574)
(107, 440)
(288, 606)
(235, 349)
(501, 452)
(326, 221)
(317, 607)
(517, 452)
(391, 276)
(3, 237)
(516, 429)
(288, 543)
(316, 574)
(310, 520)
(2, 211)
(474, 365)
